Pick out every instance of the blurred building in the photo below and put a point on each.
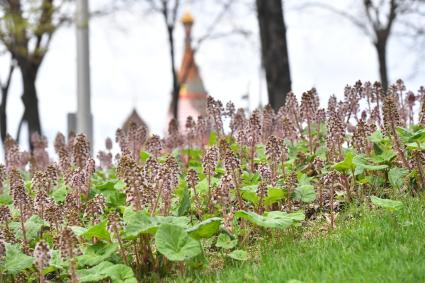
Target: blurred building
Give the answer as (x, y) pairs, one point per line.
(135, 118)
(192, 96)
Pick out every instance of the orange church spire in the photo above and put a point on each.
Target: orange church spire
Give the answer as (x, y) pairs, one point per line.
(192, 95)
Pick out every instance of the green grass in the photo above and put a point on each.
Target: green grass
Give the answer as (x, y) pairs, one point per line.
(375, 246)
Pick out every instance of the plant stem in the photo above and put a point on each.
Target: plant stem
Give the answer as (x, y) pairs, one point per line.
(122, 250)
(24, 233)
(209, 194)
(332, 207)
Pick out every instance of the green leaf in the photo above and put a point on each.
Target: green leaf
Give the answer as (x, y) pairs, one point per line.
(249, 193)
(60, 193)
(224, 242)
(212, 139)
(33, 226)
(303, 179)
(6, 199)
(95, 273)
(414, 146)
(377, 137)
(175, 243)
(108, 185)
(346, 164)
(260, 153)
(250, 178)
(363, 164)
(272, 219)
(375, 180)
(239, 255)
(387, 203)
(57, 261)
(99, 231)
(404, 134)
(119, 185)
(305, 193)
(118, 273)
(385, 157)
(181, 221)
(396, 177)
(15, 260)
(202, 186)
(114, 196)
(206, 229)
(184, 202)
(377, 149)
(139, 222)
(273, 195)
(97, 253)
(144, 155)
(78, 231)
(296, 216)
(418, 136)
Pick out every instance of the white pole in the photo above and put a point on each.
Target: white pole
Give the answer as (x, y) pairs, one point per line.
(84, 119)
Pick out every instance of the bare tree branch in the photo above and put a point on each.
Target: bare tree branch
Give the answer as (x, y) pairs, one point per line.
(352, 18)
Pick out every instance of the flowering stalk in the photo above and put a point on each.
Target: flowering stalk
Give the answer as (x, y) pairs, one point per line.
(391, 121)
(209, 162)
(114, 227)
(332, 180)
(42, 258)
(291, 184)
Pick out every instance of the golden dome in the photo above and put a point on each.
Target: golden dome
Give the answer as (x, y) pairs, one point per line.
(187, 18)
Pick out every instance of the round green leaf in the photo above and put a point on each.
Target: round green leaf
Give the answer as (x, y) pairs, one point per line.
(273, 219)
(16, 261)
(175, 243)
(206, 229)
(305, 193)
(239, 255)
(224, 242)
(387, 203)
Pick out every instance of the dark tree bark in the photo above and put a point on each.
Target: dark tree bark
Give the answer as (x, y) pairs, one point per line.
(29, 98)
(381, 50)
(176, 83)
(4, 95)
(274, 50)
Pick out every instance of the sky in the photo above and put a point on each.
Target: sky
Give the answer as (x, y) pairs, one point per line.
(130, 64)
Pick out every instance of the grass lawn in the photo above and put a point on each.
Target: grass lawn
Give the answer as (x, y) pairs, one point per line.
(374, 246)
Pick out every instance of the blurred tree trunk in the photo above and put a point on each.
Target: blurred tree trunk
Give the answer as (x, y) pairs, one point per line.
(176, 83)
(29, 98)
(274, 50)
(26, 31)
(381, 49)
(3, 105)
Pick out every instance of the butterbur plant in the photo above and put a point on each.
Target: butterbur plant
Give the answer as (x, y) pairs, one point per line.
(114, 227)
(291, 184)
(253, 132)
(208, 188)
(417, 162)
(209, 163)
(308, 110)
(68, 246)
(274, 155)
(192, 180)
(42, 258)
(22, 202)
(332, 181)
(391, 122)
